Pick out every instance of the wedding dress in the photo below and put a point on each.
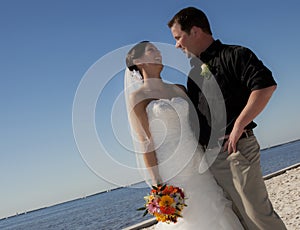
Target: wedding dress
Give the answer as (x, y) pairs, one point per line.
(179, 157)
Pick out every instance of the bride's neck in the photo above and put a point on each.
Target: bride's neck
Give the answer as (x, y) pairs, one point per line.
(152, 79)
(153, 82)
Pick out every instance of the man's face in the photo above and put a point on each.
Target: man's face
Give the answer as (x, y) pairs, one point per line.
(183, 40)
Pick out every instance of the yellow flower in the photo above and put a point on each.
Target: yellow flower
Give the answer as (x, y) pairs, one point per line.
(149, 198)
(161, 217)
(166, 201)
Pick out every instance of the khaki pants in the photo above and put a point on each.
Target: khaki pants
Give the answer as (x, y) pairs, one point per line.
(239, 174)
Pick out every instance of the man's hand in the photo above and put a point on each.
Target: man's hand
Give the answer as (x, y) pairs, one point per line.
(230, 144)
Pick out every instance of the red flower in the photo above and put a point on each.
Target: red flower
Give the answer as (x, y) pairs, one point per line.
(169, 190)
(167, 210)
(181, 193)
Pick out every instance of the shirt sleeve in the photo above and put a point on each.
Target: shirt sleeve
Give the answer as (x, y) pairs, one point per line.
(252, 72)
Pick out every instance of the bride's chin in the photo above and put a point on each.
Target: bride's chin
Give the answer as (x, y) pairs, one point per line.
(160, 65)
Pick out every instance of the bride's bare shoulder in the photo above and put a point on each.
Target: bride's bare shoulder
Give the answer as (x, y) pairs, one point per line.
(137, 97)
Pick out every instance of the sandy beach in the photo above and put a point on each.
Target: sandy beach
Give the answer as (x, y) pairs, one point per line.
(284, 193)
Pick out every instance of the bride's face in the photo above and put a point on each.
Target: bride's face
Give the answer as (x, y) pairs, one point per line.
(151, 56)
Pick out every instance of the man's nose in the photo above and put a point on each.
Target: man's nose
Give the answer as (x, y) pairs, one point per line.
(177, 45)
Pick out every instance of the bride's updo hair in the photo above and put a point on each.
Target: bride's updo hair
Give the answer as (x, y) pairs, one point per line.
(135, 52)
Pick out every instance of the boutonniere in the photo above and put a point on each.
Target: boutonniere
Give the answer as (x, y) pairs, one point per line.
(205, 72)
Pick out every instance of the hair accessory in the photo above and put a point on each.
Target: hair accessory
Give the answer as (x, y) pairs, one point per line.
(136, 74)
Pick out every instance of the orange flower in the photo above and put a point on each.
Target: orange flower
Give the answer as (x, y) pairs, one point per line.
(168, 210)
(166, 201)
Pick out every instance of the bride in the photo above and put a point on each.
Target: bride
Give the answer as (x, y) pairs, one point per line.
(163, 139)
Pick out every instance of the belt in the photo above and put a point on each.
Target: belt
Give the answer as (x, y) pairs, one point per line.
(221, 141)
(247, 133)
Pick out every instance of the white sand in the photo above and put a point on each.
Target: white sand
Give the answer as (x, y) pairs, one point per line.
(284, 193)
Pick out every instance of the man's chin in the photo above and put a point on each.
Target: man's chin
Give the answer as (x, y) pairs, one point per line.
(188, 54)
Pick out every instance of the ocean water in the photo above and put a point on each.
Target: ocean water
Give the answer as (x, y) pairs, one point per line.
(117, 209)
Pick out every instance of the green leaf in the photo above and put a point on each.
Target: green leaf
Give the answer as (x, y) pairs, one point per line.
(178, 215)
(163, 187)
(154, 187)
(145, 213)
(142, 208)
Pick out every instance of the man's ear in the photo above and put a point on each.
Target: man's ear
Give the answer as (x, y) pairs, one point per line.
(195, 31)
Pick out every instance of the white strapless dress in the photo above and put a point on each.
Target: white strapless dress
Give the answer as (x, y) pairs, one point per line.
(179, 157)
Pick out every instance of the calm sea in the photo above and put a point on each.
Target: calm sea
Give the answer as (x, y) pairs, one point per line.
(117, 209)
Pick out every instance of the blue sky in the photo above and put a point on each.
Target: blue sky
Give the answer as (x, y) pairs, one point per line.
(47, 47)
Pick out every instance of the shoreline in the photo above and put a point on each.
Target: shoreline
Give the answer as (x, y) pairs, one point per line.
(23, 212)
(284, 193)
(280, 144)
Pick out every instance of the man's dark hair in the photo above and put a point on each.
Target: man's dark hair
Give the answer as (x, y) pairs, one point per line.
(189, 17)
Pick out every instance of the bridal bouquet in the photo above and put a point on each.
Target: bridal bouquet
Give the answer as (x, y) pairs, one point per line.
(165, 202)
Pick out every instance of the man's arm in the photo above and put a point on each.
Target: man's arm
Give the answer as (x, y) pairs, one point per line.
(257, 101)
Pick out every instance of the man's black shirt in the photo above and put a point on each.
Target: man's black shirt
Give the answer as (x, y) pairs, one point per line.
(238, 72)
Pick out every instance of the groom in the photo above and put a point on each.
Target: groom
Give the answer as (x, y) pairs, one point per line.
(246, 85)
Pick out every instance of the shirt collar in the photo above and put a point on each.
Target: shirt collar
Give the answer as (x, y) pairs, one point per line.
(211, 51)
